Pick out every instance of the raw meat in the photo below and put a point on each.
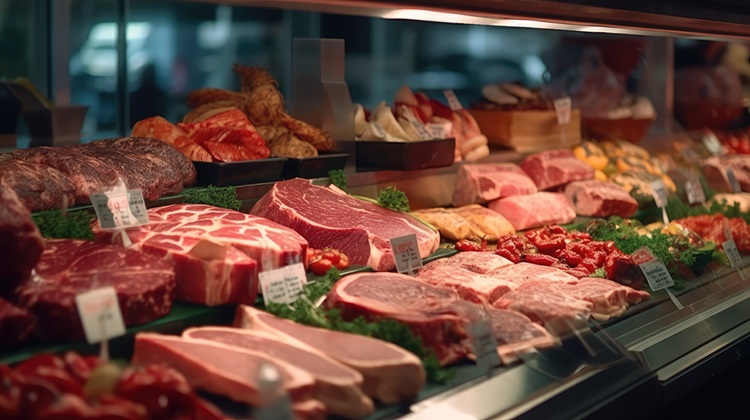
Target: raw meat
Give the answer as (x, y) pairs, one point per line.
(476, 262)
(391, 374)
(89, 175)
(39, 187)
(144, 285)
(234, 247)
(553, 168)
(21, 244)
(534, 210)
(338, 386)
(147, 148)
(405, 299)
(600, 199)
(485, 223)
(228, 136)
(470, 286)
(329, 218)
(610, 299)
(16, 325)
(523, 272)
(219, 368)
(714, 169)
(480, 183)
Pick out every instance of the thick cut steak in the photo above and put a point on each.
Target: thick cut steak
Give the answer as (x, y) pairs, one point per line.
(16, 325)
(412, 302)
(522, 272)
(39, 187)
(480, 183)
(146, 146)
(329, 218)
(476, 262)
(219, 368)
(144, 285)
(600, 199)
(534, 210)
(21, 244)
(470, 286)
(391, 374)
(338, 386)
(553, 168)
(90, 175)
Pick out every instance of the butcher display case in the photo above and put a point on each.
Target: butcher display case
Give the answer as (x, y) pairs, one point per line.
(651, 355)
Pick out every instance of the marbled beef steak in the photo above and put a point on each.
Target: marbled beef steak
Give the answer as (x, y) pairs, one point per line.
(39, 187)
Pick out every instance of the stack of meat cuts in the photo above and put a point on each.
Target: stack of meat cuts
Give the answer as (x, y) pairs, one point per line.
(328, 217)
(217, 253)
(57, 177)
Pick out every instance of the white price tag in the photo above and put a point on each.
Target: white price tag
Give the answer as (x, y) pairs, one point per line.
(484, 345)
(406, 253)
(453, 101)
(657, 275)
(694, 190)
(712, 143)
(421, 130)
(437, 131)
(735, 259)
(282, 285)
(659, 191)
(734, 185)
(100, 314)
(117, 210)
(563, 108)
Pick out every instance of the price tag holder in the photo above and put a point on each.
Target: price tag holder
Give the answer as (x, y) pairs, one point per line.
(694, 190)
(734, 185)
(100, 314)
(657, 275)
(453, 101)
(282, 285)
(484, 345)
(730, 248)
(118, 210)
(406, 253)
(659, 192)
(563, 109)
(712, 143)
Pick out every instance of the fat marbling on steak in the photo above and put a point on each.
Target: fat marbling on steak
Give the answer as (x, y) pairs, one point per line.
(39, 187)
(144, 285)
(331, 218)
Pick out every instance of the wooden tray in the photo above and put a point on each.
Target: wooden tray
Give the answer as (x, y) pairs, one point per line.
(527, 131)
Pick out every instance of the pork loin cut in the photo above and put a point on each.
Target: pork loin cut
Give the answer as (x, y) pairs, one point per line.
(482, 182)
(476, 262)
(391, 374)
(144, 285)
(522, 272)
(470, 286)
(412, 302)
(600, 199)
(338, 386)
(21, 244)
(221, 369)
(16, 325)
(535, 210)
(553, 168)
(330, 218)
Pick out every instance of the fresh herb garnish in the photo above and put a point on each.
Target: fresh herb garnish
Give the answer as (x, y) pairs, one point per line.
(392, 198)
(304, 311)
(53, 224)
(338, 178)
(600, 273)
(224, 197)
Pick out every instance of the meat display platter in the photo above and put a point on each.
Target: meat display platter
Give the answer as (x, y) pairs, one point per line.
(225, 174)
(405, 156)
(315, 166)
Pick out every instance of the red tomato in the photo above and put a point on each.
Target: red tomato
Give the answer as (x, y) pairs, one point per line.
(333, 256)
(321, 266)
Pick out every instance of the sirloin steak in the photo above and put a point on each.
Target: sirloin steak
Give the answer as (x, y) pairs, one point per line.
(479, 183)
(144, 285)
(391, 374)
(553, 168)
(338, 386)
(331, 218)
(21, 244)
(600, 199)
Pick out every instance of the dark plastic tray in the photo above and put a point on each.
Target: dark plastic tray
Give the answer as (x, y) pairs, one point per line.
(224, 174)
(405, 156)
(315, 166)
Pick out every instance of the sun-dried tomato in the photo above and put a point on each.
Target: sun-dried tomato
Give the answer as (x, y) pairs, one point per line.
(509, 254)
(588, 265)
(569, 257)
(599, 257)
(578, 235)
(467, 245)
(539, 259)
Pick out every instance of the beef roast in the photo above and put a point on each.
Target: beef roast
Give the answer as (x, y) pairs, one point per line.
(600, 199)
(16, 325)
(221, 369)
(391, 374)
(144, 285)
(480, 183)
(338, 386)
(534, 210)
(89, 175)
(330, 218)
(21, 244)
(39, 187)
(553, 168)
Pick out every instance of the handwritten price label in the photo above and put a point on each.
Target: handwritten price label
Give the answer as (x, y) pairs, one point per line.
(453, 101)
(659, 191)
(406, 253)
(282, 285)
(484, 344)
(563, 108)
(120, 209)
(657, 275)
(100, 314)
